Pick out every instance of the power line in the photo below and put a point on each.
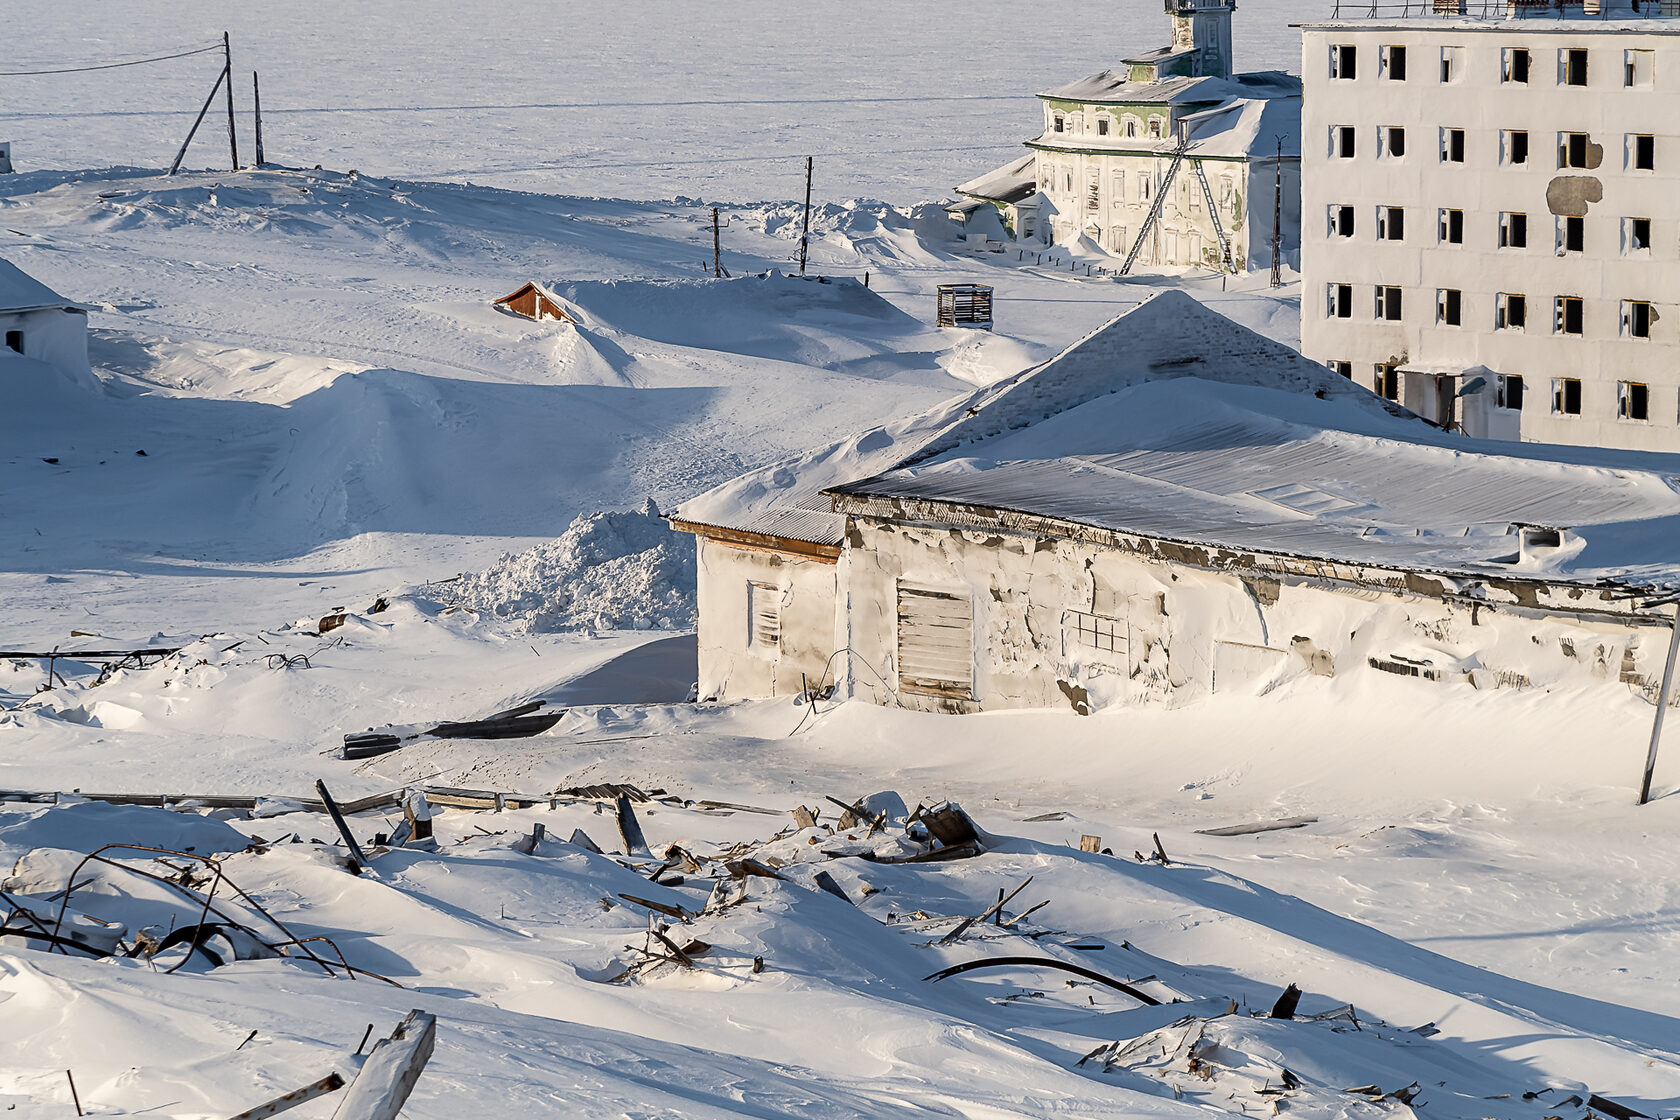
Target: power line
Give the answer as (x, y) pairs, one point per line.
(108, 65)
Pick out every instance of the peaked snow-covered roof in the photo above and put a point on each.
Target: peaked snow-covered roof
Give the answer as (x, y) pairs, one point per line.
(1168, 335)
(20, 291)
(1114, 86)
(1010, 183)
(1247, 128)
(1179, 429)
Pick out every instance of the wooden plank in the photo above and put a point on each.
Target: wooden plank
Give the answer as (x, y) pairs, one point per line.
(358, 860)
(388, 1076)
(331, 1083)
(630, 829)
(1258, 827)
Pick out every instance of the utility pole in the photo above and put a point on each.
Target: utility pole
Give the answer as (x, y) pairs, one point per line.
(233, 138)
(717, 247)
(805, 237)
(193, 131)
(256, 100)
(1277, 221)
(1664, 695)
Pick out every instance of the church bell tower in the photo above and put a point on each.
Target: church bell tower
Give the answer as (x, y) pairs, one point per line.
(1204, 26)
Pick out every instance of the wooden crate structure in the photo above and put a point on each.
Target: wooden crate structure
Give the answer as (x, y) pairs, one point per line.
(965, 305)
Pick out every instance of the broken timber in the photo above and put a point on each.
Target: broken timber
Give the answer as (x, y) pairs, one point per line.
(331, 1083)
(1046, 962)
(515, 723)
(388, 1076)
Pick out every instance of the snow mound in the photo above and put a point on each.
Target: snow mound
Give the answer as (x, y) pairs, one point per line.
(616, 570)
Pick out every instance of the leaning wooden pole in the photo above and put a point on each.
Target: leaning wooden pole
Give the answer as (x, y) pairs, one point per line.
(1665, 696)
(805, 237)
(256, 101)
(193, 131)
(233, 137)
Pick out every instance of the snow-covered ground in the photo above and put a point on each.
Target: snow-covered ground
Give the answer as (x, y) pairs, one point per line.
(332, 414)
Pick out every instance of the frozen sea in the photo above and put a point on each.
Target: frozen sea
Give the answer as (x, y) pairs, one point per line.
(637, 99)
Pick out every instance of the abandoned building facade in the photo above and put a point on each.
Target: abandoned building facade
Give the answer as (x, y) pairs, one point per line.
(1172, 160)
(1490, 236)
(37, 325)
(1134, 524)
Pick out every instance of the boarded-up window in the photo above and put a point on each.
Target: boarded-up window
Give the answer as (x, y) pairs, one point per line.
(764, 617)
(936, 640)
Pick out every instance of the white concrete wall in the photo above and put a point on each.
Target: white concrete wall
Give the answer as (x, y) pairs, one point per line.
(1188, 631)
(730, 668)
(1484, 107)
(53, 336)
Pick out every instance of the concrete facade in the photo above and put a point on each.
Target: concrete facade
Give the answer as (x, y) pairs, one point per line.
(1547, 179)
(741, 588)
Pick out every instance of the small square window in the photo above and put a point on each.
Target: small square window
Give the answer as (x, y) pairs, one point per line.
(1573, 150)
(1513, 148)
(1639, 69)
(1513, 65)
(1388, 303)
(1344, 62)
(1339, 299)
(1566, 396)
(1391, 223)
(1636, 320)
(1510, 312)
(1341, 221)
(1513, 231)
(1569, 315)
(1391, 141)
(1571, 235)
(1452, 145)
(1572, 66)
(1343, 141)
(1394, 63)
(1452, 227)
(1636, 236)
(14, 341)
(1509, 392)
(1641, 152)
(1633, 400)
(1449, 307)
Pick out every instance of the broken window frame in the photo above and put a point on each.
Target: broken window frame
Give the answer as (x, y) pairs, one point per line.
(1449, 307)
(1641, 151)
(1514, 147)
(1566, 396)
(1341, 220)
(1338, 301)
(1390, 303)
(1633, 402)
(1639, 68)
(1513, 230)
(1344, 62)
(1510, 311)
(1452, 145)
(1572, 150)
(1637, 319)
(1391, 141)
(1568, 311)
(1508, 392)
(1344, 141)
(1391, 223)
(1391, 63)
(1451, 227)
(1571, 235)
(1636, 237)
(1572, 67)
(1452, 64)
(1514, 66)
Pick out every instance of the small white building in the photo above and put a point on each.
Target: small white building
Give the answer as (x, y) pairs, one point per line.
(39, 325)
(1491, 235)
(5, 157)
(1173, 507)
(1170, 160)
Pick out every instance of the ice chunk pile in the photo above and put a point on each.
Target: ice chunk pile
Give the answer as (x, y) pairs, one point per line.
(612, 570)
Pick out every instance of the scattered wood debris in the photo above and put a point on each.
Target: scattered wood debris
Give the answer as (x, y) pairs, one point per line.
(515, 723)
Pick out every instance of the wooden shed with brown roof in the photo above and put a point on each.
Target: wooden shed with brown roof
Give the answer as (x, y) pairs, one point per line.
(533, 302)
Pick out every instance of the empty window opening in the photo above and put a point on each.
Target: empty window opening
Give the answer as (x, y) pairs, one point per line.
(1513, 144)
(1452, 227)
(764, 617)
(1342, 142)
(1509, 392)
(1571, 235)
(1341, 221)
(1510, 312)
(1391, 223)
(1513, 231)
(1343, 368)
(1060, 124)
(1339, 301)
(1633, 400)
(1452, 63)
(1388, 303)
(1636, 319)
(1452, 145)
(1640, 69)
(1566, 396)
(1642, 152)
(14, 341)
(1344, 62)
(1391, 141)
(936, 641)
(1394, 63)
(1513, 65)
(1097, 633)
(1387, 382)
(1572, 66)
(1449, 307)
(1572, 149)
(1636, 235)
(1569, 315)
(1102, 126)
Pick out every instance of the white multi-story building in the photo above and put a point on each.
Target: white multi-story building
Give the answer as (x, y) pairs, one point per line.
(1491, 215)
(1170, 160)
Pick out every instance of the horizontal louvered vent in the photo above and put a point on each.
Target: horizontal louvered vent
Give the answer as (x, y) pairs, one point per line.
(936, 640)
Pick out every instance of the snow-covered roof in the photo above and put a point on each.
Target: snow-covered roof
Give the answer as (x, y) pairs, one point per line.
(1247, 128)
(1114, 86)
(20, 291)
(1170, 335)
(1175, 424)
(1010, 183)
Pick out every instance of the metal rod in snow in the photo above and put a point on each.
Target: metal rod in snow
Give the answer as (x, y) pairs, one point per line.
(193, 131)
(233, 138)
(805, 237)
(256, 101)
(1664, 696)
